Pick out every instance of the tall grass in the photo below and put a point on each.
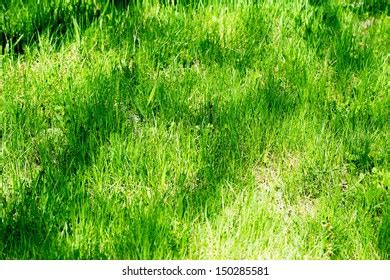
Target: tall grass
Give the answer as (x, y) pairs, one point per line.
(194, 130)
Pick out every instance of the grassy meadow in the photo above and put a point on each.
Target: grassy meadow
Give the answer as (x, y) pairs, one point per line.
(194, 129)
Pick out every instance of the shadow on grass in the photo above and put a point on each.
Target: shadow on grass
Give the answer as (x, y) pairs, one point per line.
(325, 33)
(46, 209)
(23, 24)
(384, 238)
(35, 218)
(370, 7)
(25, 229)
(349, 54)
(34, 221)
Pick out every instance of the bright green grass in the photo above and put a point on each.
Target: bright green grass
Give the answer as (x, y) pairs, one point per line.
(195, 131)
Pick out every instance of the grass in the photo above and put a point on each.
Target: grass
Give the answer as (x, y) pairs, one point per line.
(194, 130)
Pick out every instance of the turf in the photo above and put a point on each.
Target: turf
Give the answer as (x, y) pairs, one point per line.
(194, 129)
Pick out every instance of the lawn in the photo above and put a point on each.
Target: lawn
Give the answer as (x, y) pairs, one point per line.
(194, 129)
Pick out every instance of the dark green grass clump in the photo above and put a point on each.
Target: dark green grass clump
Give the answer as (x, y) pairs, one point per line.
(194, 130)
